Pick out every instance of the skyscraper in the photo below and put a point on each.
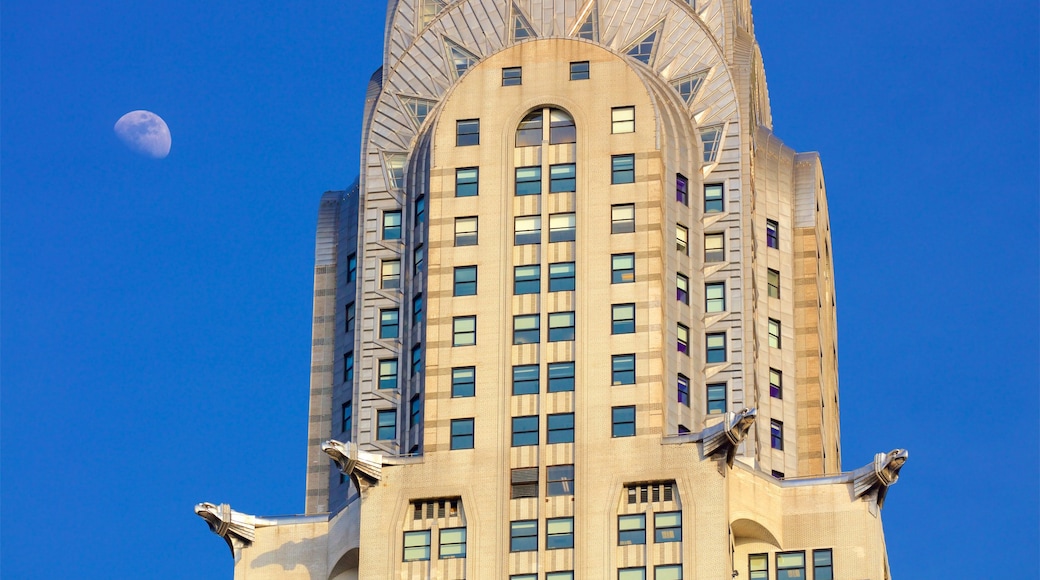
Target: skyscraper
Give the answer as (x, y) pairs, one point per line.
(576, 319)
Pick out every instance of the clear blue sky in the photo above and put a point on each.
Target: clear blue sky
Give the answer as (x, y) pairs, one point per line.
(155, 313)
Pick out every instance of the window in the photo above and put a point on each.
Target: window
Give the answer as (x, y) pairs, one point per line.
(790, 565)
(631, 529)
(417, 546)
(774, 333)
(418, 259)
(561, 276)
(623, 120)
(773, 281)
(453, 543)
(560, 428)
(386, 424)
(715, 344)
(467, 181)
(415, 411)
(714, 248)
(347, 415)
(713, 198)
(568, 575)
(466, 231)
(528, 180)
(561, 377)
(580, 70)
(417, 305)
(391, 225)
(525, 379)
(823, 567)
(623, 169)
(351, 268)
(682, 335)
(623, 369)
(561, 227)
(683, 390)
(561, 128)
(622, 268)
(512, 76)
(559, 533)
(668, 572)
(682, 189)
(716, 398)
(528, 230)
(462, 433)
(772, 234)
(776, 434)
(529, 133)
(776, 474)
(525, 431)
(388, 323)
(527, 279)
(416, 358)
(776, 383)
(622, 218)
(682, 288)
(524, 577)
(631, 574)
(390, 274)
(715, 297)
(350, 318)
(667, 527)
(464, 331)
(560, 480)
(523, 536)
(465, 281)
(561, 326)
(758, 566)
(388, 373)
(682, 239)
(562, 177)
(467, 132)
(526, 329)
(523, 482)
(463, 381)
(623, 421)
(420, 209)
(623, 318)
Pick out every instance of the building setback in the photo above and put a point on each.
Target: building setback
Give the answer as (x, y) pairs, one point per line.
(576, 319)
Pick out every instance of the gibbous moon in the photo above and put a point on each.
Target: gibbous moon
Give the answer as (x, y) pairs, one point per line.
(144, 132)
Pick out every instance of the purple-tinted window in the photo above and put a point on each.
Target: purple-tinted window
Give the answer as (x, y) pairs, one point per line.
(772, 234)
(683, 335)
(682, 189)
(684, 390)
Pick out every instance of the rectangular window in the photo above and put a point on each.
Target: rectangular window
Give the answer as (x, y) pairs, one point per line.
(623, 169)
(561, 326)
(561, 227)
(525, 431)
(453, 543)
(528, 180)
(568, 575)
(774, 333)
(388, 323)
(715, 345)
(623, 421)
(526, 329)
(682, 239)
(682, 336)
(418, 259)
(523, 482)
(667, 527)
(386, 424)
(462, 433)
(415, 411)
(561, 128)
(466, 231)
(716, 398)
(623, 369)
(622, 268)
(668, 572)
(561, 377)
(559, 533)
(712, 198)
(772, 234)
(350, 318)
(776, 384)
(715, 297)
(346, 416)
(417, 306)
(623, 120)
(561, 277)
(682, 189)
(623, 318)
(776, 434)
(390, 274)
(683, 390)
(560, 428)
(562, 178)
(416, 358)
(682, 288)
(388, 373)
(467, 132)
(512, 76)
(527, 279)
(420, 209)
(465, 281)
(523, 536)
(464, 331)
(823, 566)
(631, 574)
(417, 546)
(467, 181)
(714, 248)
(525, 380)
(580, 70)
(351, 268)
(773, 281)
(560, 480)
(631, 529)
(790, 566)
(463, 381)
(758, 566)
(622, 218)
(391, 225)
(528, 230)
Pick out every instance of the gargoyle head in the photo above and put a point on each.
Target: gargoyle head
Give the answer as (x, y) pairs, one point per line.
(891, 465)
(211, 513)
(742, 423)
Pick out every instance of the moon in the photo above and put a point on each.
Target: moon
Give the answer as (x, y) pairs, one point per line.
(144, 132)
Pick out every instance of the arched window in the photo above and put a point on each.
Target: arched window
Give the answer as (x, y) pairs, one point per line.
(561, 127)
(531, 132)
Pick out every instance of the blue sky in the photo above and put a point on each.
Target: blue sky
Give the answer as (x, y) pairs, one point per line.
(155, 313)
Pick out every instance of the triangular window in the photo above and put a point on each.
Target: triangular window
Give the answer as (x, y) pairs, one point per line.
(644, 49)
(711, 138)
(522, 29)
(395, 165)
(429, 9)
(459, 58)
(688, 85)
(589, 28)
(418, 108)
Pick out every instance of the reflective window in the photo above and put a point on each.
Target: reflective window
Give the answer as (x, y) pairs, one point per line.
(561, 277)
(346, 417)
(623, 421)
(416, 358)
(715, 344)
(391, 225)
(631, 574)
(715, 297)
(462, 433)
(390, 274)
(682, 239)
(772, 234)
(560, 428)
(348, 366)
(523, 482)
(467, 132)
(667, 527)
(668, 572)
(388, 323)
(529, 133)
(466, 231)
(622, 268)
(512, 76)
(562, 178)
(417, 546)
(386, 424)
(776, 384)
(523, 536)
(758, 566)
(561, 128)
(623, 120)
(527, 279)
(525, 431)
(561, 326)
(465, 281)
(623, 369)
(714, 248)
(713, 198)
(823, 567)
(559, 533)
(528, 230)
(773, 283)
(776, 434)
(350, 317)
(682, 288)
(528, 180)
(682, 334)
(415, 411)
(525, 380)
(526, 329)
(682, 189)
(716, 399)
(623, 169)
(579, 70)
(774, 333)
(463, 381)
(467, 181)
(790, 566)
(622, 218)
(351, 267)
(631, 529)
(623, 318)
(464, 330)
(388, 373)
(561, 377)
(560, 480)
(561, 227)
(453, 543)
(683, 390)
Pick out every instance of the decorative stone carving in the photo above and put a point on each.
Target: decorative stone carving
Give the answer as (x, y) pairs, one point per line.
(879, 474)
(237, 529)
(726, 436)
(362, 466)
